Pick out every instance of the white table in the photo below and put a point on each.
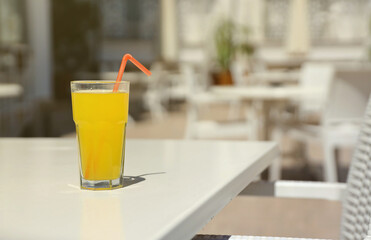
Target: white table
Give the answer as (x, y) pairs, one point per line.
(267, 92)
(186, 184)
(267, 97)
(278, 57)
(274, 77)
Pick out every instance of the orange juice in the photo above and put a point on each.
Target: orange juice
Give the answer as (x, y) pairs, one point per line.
(100, 118)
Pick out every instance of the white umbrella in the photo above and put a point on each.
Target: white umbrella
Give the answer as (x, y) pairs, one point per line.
(298, 34)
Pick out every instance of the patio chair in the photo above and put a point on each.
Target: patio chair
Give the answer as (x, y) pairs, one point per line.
(154, 94)
(318, 75)
(355, 194)
(199, 101)
(340, 119)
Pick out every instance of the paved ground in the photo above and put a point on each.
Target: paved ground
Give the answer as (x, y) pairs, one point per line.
(262, 216)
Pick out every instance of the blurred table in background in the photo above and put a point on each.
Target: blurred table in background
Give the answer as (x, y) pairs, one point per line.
(273, 57)
(273, 77)
(268, 98)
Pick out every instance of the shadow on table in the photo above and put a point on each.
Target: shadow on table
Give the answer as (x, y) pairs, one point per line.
(130, 180)
(212, 237)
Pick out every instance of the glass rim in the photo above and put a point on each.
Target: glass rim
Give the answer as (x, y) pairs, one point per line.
(99, 85)
(97, 82)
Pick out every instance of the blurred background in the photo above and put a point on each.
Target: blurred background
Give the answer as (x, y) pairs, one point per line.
(293, 71)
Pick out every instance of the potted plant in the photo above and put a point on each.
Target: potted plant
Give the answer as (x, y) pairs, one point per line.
(226, 48)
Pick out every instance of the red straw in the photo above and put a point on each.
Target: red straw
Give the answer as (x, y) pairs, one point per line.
(122, 69)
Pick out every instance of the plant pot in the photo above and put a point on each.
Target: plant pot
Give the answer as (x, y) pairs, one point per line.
(222, 78)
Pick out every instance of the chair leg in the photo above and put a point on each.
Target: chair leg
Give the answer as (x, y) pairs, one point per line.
(131, 120)
(191, 128)
(275, 170)
(234, 110)
(153, 102)
(329, 163)
(252, 122)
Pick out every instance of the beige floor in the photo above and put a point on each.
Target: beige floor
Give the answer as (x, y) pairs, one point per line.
(263, 216)
(260, 216)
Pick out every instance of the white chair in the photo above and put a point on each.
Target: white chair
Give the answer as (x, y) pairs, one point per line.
(314, 76)
(155, 93)
(342, 113)
(355, 194)
(238, 70)
(259, 74)
(318, 76)
(199, 100)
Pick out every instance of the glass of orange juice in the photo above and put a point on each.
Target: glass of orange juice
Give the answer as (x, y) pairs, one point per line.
(100, 116)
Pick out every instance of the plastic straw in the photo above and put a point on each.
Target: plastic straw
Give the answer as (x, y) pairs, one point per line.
(125, 58)
(122, 69)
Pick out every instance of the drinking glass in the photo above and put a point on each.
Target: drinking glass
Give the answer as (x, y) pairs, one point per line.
(100, 116)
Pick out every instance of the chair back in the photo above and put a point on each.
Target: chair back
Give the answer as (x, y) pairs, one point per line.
(238, 70)
(357, 204)
(188, 73)
(348, 96)
(319, 77)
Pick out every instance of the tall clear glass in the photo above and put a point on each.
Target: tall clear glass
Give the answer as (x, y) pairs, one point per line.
(100, 116)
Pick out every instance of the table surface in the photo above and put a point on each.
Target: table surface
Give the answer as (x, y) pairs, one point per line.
(274, 77)
(268, 92)
(179, 186)
(279, 57)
